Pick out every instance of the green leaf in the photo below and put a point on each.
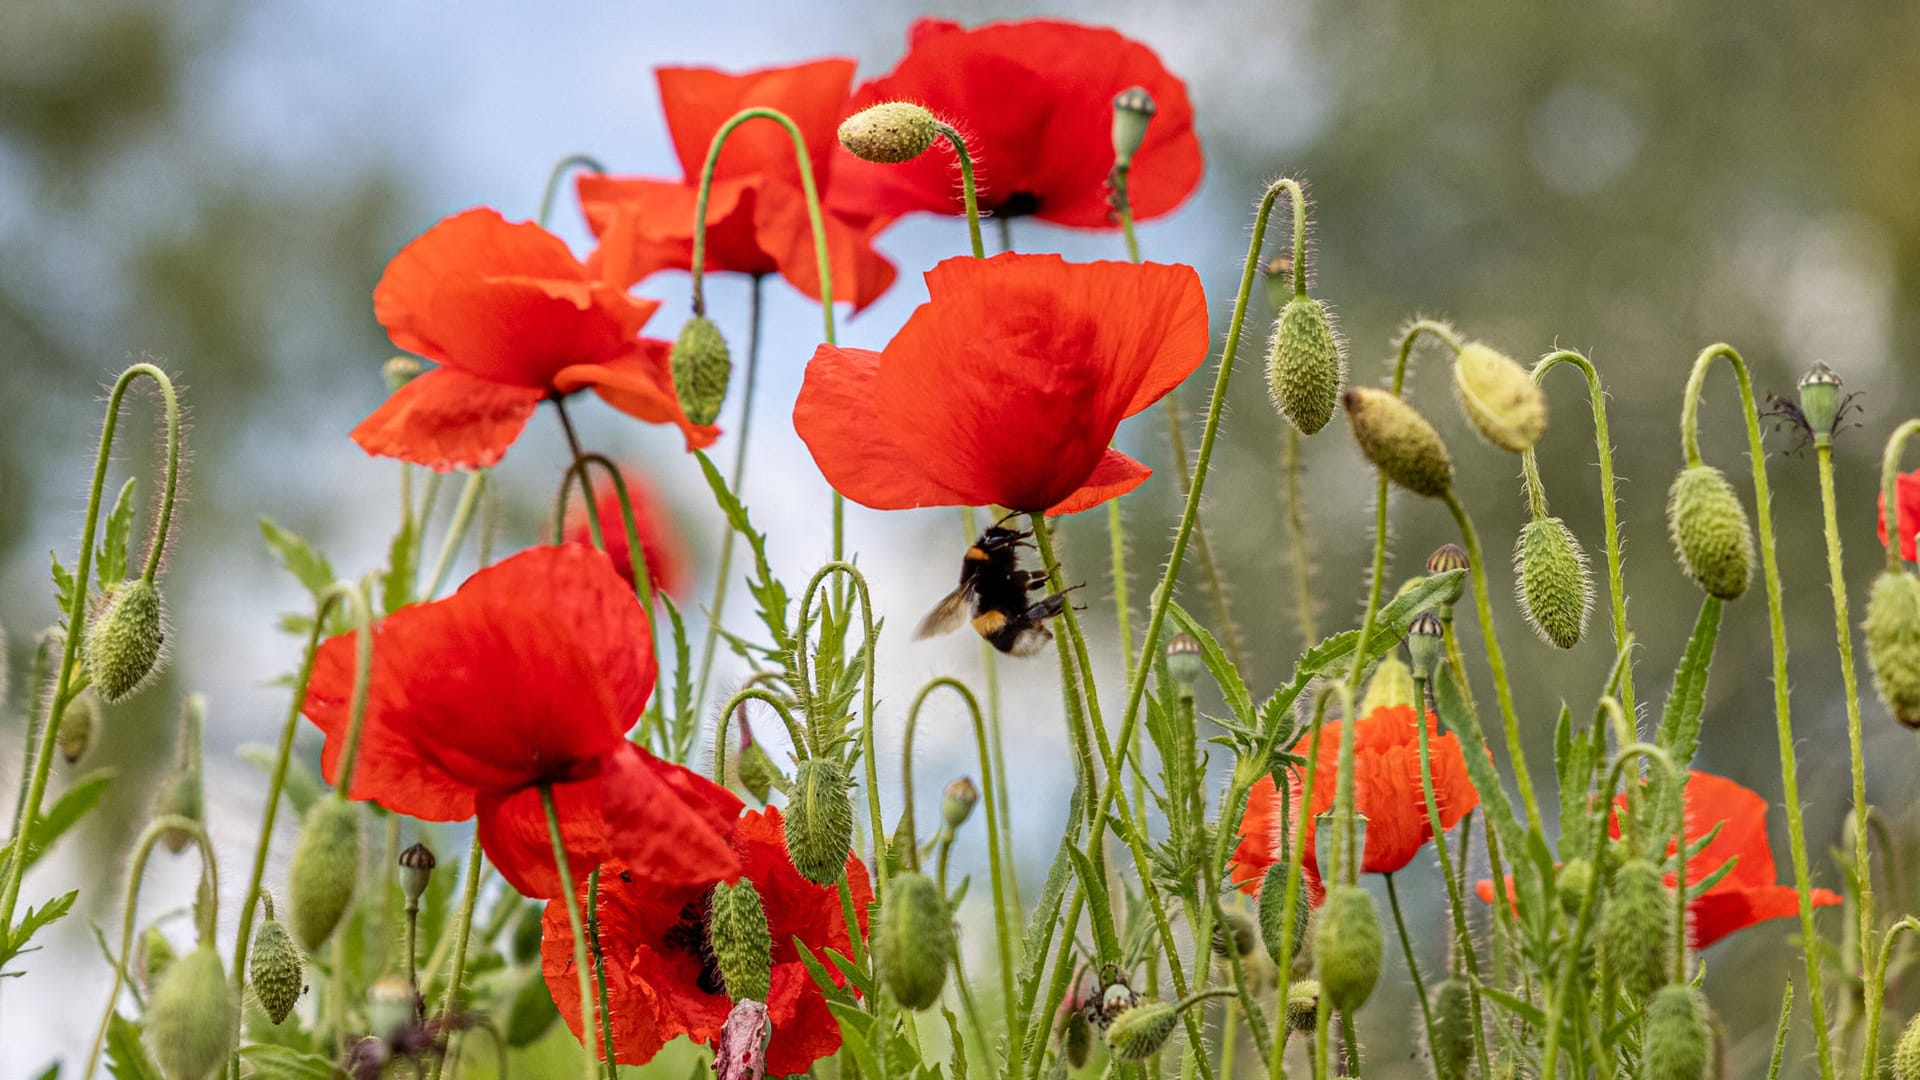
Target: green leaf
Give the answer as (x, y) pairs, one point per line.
(36, 920)
(126, 1058)
(1459, 719)
(1529, 1014)
(286, 1063)
(116, 540)
(66, 811)
(301, 788)
(306, 564)
(1224, 673)
(684, 725)
(766, 589)
(1679, 733)
(62, 587)
(402, 556)
(854, 1026)
(1106, 941)
(52, 1073)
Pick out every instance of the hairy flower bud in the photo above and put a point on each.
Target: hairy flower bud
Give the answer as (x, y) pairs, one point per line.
(1303, 1004)
(126, 640)
(742, 945)
(1234, 934)
(78, 723)
(1635, 928)
(1452, 1047)
(1399, 441)
(1906, 1052)
(151, 958)
(1426, 644)
(1893, 643)
(914, 942)
(1575, 877)
(758, 774)
(890, 132)
(1390, 685)
(275, 968)
(1348, 946)
(531, 1011)
(1499, 398)
(1710, 532)
(1675, 1044)
(1140, 1032)
(1276, 923)
(701, 367)
(1820, 399)
(1551, 578)
(326, 867)
(1306, 365)
(192, 1020)
(416, 872)
(1133, 110)
(1076, 1038)
(957, 802)
(820, 820)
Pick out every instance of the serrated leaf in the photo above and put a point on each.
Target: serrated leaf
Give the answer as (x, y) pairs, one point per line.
(114, 554)
(1459, 719)
(861, 981)
(1679, 733)
(66, 811)
(767, 590)
(62, 587)
(126, 1057)
(683, 725)
(854, 1026)
(1232, 686)
(309, 566)
(1106, 941)
(1527, 1013)
(286, 1063)
(38, 919)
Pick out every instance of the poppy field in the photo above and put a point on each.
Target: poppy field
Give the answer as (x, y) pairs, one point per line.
(537, 806)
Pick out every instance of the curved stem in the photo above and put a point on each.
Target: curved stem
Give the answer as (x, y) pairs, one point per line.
(1876, 994)
(590, 1069)
(968, 193)
(802, 744)
(560, 170)
(723, 574)
(871, 637)
(1889, 489)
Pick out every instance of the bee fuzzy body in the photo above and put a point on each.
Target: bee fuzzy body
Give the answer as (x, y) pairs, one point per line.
(995, 597)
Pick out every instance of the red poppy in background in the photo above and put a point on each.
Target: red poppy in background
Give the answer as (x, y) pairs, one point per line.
(1907, 491)
(1387, 790)
(667, 565)
(528, 676)
(1034, 100)
(757, 221)
(513, 319)
(1006, 386)
(662, 981)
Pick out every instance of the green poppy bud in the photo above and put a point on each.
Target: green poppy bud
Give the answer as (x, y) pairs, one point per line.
(275, 968)
(1390, 685)
(326, 868)
(1675, 1044)
(1133, 110)
(1274, 917)
(1140, 1032)
(192, 1020)
(957, 802)
(890, 132)
(701, 368)
(399, 371)
(1452, 1048)
(1551, 578)
(742, 945)
(1184, 665)
(1636, 928)
(1426, 644)
(758, 774)
(1710, 532)
(78, 723)
(1893, 643)
(1906, 1052)
(152, 957)
(416, 872)
(1076, 1038)
(182, 793)
(1303, 1005)
(1574, 879)
(1399, 441)
(1234, 933)
(391, 1006)
(125, 643)
(1347, 947)
(914, 942)
(1306, 365)
(1820, 399)
(1499, 398)
(531, 1012)
(820, 820)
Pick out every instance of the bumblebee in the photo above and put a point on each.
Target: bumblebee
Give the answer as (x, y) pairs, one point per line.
(995, 592)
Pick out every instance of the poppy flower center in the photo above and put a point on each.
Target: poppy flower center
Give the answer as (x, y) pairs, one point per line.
(690, 936)
(1019, 204)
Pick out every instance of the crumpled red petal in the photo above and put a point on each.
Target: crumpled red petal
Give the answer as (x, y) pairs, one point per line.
(837, 416)
(446, 419)
(640, 384)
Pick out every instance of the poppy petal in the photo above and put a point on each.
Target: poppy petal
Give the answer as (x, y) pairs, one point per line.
(698, 101)
(472, 243)
(640, 384)
(1907, 493)
(669, 825)
(446, 419)
(804, 1028)
(646, 226)
(837, 416)
(513, 832)
(1116, 475)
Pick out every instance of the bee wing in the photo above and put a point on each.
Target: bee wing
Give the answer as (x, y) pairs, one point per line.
(947, 615)
(1029, 639)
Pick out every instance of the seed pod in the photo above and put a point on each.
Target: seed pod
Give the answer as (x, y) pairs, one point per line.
(1893, 643)
(742, 945)
(1448, 557)
(1133, 110)
(1426, 640)
(1399, 441)
(1347, 947)
(1574, 879)
(701, 367)
(1452, 1030)
(1234, 931)
(1551, 578)
(326, 867)
(126, 640)
(1820, 399)
(914, 942)
(416, 872)
(151, 958)
(275, 968)
(78, 724)
(531, 1012)
(1906, 1052)
(1140, 1032)
(391, 1007)
(1390, 685)
(1306, 365)
(890, 132)
(1675, 1044)
(1273, 918)
(957, 802)
(1303, 1004)
(1710, 532)
(1184, 665)
(820, 820)
(192, 1020)
(1635, 928)
(1499, 398)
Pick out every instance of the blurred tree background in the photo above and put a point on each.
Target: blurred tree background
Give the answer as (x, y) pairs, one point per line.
(1636, 180)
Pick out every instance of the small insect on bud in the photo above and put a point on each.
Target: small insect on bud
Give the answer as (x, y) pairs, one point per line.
(1140, 1032)
(391, 1006)
(1820, 400)
(1399, 441)
(742, 944)
(957, 802)
(1303, 1004)
(416, 872)
(1710, 531)
(1184, 664)
(1114, 997)
(1277, 925)
(1574, 879)
(820, 820)
(914, 942)
(531, 1012)
(192, 1020)
(1906, 1052)
(1893, 643)
(1390, 685)
(1348, 947)
(1426, 644)
(326, 868)
(78, 724)
(890, 132)
(275, 968)
(399, 371)
(741, 1052)
(126, 640)
(1499, 398)
(151, 958)
(1675, 1044)
(1306, 365)
(1234, 934)
(1551, 577)
(1634, 929)
(1133, 110)
(701, 367)
(1452, 1030)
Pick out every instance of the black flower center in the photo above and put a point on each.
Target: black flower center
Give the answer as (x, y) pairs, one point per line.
(690, 936)
(1018, 204)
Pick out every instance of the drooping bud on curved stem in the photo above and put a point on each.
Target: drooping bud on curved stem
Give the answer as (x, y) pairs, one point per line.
(182, 792)
(957, 802)
(1398, 441)
(889, 133)
(1138, 1033)
(276, 968)
(1499, 398)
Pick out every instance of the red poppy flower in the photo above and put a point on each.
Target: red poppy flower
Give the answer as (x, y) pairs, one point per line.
(662, 981)
(1005, 386)
(757, 220)
(528, 676)
(512, 318)
(666, 556)
(1035, 102)
(1386, 775)
(1907, 491)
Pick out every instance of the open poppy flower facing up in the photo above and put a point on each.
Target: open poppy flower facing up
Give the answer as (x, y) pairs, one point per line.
(659, 538)
(1387, 791)
(662, 979)
(1907, 492)
(512, 319)
(1006, 386)
(757, 221)
(1034, 100)
(527, 677)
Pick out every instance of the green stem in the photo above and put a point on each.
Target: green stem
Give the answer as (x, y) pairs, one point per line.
(470, 893)
(1296, 848)
(560, 170)
(590, 1069)
(1297, 549)
(967, 190)
(1876, 994)
(600, 972)
(1463, 937)
(870, 636)
(463, 511)
(802, 742)
(723, 574)
(990, 666)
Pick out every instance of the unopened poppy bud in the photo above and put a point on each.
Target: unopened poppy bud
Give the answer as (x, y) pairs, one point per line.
(1399, 441)
(742, 945)
(181, 795)
(758, 774)
(1426, 644)
(1452, 1030)
(126, 640)
(1234, 934)
(890, 132)
(1820, 399)
(1893, 643)
(1306, 365)
(1635, 928)
(701, 367)
(914, 942)
(78, 724)
(741, 1052)
(1499, 398)
(1550, 575)
(1303, 1004)
(390, 1006)
(1076, 1038)
(1184, 664)
(531, 1012)
(398, 371)
(326, 868)
(1133, 110)
(1391, 685)
(820, 820)
(1277, 925)
(1710, 532)
(1348, 947)
(1906, 1052)
(192, 1019)
(416, 872)
(152, 957)
(1573, 881)
(1675, 1044)
(957, 802)
(1140, 1032)
(275, 968)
